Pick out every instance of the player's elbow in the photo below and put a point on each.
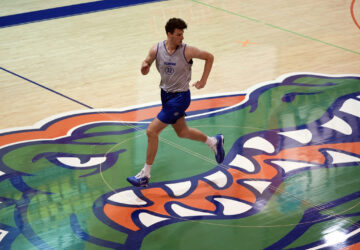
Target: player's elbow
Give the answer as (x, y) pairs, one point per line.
(210, 57)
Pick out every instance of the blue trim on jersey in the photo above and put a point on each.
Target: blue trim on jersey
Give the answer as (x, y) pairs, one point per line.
(157, 49)
(168, 51)
(189, 62)
(166, 48)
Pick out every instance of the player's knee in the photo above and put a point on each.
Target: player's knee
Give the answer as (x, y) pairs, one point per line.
(183, 133)
(151, 133)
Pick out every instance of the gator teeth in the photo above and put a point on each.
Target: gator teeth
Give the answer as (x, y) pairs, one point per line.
(127, 197)
(218, 178)
(233, 207)
(341, 157)
(303, 135)
(260, 144)
(243, 163)
(339, 125)
(150, 219)
(2, 173)
(351, 106)
(258, 185)
(186, 212)
(3, 233)
(179, 188)
(289, 166)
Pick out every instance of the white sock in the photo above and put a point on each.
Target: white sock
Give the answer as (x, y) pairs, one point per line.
(145, 171)
(211, 142)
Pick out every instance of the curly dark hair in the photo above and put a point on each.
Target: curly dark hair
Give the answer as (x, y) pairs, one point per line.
(175, 23)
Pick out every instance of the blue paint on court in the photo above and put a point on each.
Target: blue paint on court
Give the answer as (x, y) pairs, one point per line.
(44, 87)
(66, 11)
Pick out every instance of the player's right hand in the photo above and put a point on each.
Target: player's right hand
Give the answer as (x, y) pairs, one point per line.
(145, 68)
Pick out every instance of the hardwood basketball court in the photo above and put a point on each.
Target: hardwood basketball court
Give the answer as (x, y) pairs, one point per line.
(75, 107)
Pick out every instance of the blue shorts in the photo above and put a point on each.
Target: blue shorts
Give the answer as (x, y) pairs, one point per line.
(173, 106)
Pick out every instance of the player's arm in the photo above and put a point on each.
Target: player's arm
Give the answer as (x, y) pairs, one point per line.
(146, 64)
(192, 52)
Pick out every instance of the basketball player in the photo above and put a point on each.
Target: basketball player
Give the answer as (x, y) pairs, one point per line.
(174, 61)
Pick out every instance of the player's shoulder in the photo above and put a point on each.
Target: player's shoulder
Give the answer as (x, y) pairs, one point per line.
(191, 50)
(194, 52)
(153, 50)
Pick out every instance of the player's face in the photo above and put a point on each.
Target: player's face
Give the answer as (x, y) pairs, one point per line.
(177, 37)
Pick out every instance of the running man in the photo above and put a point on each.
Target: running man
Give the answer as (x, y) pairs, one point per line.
(174, 61)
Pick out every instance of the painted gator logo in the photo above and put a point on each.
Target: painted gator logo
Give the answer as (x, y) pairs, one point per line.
(63, 183)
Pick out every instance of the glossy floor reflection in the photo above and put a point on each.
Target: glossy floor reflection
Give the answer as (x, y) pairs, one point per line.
(289, 179)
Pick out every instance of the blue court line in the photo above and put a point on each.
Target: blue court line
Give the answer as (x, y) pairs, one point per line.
(65, 11)
(51, 90)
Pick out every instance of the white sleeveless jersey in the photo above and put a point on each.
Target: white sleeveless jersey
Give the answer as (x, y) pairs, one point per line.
(174, 70)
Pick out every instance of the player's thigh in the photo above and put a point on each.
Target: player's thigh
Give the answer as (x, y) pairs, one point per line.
(180, 126)
(155, 127)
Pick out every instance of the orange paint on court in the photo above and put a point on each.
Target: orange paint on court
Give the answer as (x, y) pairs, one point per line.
(62, 127)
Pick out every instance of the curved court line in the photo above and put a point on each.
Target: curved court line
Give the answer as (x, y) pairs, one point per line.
(111, 149)
(353, 15)
(276, 27)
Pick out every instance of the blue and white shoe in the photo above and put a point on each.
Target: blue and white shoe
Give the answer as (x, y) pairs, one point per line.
(220, 152)
(138, 181)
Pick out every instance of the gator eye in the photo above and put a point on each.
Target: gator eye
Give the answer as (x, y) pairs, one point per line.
(76, 162)
(81, 162)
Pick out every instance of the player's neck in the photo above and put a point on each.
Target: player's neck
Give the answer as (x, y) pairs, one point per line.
(170, 46)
